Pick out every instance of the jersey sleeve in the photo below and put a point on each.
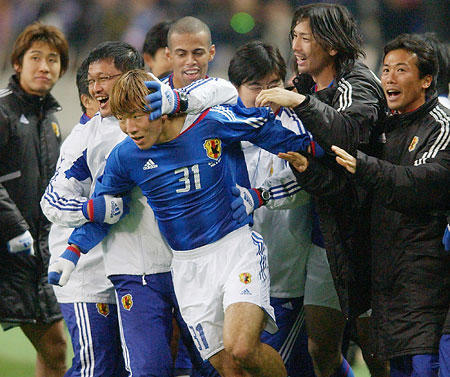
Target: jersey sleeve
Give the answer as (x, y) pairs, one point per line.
(113, 181)
(203, 94)
(260, 127)
(285, 192)
(70, 186)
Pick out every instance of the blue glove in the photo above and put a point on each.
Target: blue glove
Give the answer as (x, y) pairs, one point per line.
(164, 100)
(446, 238)
(21, 244)
(60, 270)
(106, 209)
(245, 203)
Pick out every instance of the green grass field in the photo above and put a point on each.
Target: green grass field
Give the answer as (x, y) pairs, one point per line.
(17, 356)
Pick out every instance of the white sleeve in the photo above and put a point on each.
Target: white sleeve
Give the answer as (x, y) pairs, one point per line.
(213, 91)
(70, 186)
(285, 192)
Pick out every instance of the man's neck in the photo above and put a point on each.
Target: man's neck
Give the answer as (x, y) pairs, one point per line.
(171, 128)
(324, 78)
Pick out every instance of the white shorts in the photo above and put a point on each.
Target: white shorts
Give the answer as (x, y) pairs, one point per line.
(210, 278)
(319, 286)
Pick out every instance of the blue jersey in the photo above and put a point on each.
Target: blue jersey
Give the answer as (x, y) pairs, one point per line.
(188, 180)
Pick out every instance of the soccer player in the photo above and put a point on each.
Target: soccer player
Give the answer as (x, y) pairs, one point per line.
(299, 271)
(137, 260)
(88, 301)
(29, 144)
(219, 267)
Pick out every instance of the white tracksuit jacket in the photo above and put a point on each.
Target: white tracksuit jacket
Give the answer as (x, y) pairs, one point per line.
(286, 231)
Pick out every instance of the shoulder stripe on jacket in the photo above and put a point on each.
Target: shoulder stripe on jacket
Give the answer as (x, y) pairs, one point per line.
(196, 84)
(345, 99)
(443, 138)
(5, 92)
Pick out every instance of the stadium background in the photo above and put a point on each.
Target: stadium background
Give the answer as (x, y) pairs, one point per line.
(232, 23)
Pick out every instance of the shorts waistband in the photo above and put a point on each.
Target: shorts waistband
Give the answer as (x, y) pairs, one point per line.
(212, 247)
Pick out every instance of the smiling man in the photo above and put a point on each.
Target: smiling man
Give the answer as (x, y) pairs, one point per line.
(184, 166)
(29, 147)
(410, 184)
(189, 51)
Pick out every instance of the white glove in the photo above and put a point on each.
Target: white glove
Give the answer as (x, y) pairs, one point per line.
(60, 270)
(21, 244)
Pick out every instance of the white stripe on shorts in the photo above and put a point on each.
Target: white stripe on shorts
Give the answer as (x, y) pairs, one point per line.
(86, 346)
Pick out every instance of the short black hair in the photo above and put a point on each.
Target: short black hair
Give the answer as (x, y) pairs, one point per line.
(156, 38)
(81, 81)
(426, 58)
(189, 25)
(124, 56)
(442, 53)
(253, 61)
(334, 27)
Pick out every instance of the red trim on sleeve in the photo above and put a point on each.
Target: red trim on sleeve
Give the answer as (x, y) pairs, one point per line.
(74, 249)
(313, 148)
(90, 210)
(261, 200)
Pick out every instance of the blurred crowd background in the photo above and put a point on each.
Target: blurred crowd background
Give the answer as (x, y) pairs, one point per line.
(233, 22)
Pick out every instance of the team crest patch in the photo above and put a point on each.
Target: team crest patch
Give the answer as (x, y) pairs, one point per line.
(127, 301)
(103, 309)
(245, 277)
(56, 129)
(413, 144)
(213, 148)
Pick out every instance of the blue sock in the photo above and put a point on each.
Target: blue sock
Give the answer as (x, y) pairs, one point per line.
(344, 370)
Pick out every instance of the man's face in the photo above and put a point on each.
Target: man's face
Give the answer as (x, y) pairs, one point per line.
(189, 55)
(40, 69)
(144, 132)
(159, 63)
(403, 88)
(250, 90)
(310, 56)
(102, 75)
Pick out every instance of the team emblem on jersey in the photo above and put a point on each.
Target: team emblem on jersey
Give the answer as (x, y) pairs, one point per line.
(413, 144)
(56, 129)
(213, 148)
(127, 301)
(245, 277)
(103, 309)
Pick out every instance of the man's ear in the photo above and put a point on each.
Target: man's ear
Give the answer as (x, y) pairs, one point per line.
(212, 52)
(148, 60)
(426, 81)
(17, 67)
(168, 54)
(333, 52)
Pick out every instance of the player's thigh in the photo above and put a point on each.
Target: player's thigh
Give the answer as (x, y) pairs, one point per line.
(243, 324)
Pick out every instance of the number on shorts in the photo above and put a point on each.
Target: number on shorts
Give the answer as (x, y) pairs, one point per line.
(199, 331)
